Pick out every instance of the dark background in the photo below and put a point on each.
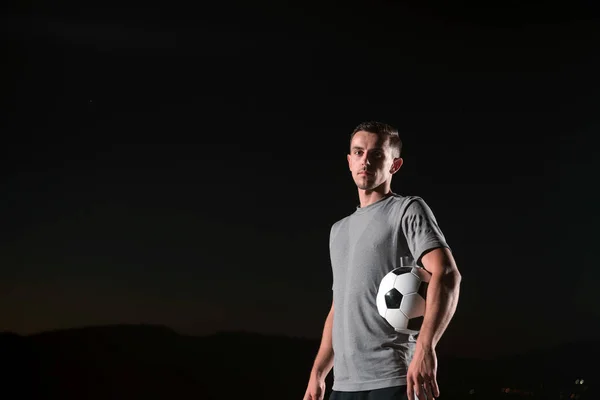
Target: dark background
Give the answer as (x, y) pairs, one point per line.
(181, 164)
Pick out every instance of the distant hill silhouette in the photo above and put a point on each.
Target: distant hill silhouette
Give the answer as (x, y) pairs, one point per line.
(155, 362)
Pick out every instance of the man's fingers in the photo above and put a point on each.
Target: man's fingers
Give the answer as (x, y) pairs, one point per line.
(409, 390)
(428, 389)
(418, 389)
(431, 387)
(435, 388)
(422, 387)
(419, 379)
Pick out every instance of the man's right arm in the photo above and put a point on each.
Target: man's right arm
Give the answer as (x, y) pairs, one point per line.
(323, 362)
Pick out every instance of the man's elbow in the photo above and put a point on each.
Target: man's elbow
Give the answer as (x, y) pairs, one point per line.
(450, 277)
(453, 278)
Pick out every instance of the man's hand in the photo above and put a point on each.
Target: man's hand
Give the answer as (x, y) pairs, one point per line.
(316, 388)
(421, 376)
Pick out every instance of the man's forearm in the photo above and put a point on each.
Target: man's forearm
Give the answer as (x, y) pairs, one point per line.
(324, 360)
(442, 299)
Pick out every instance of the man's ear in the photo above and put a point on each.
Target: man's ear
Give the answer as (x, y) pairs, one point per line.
(396, 164)
(349, 163)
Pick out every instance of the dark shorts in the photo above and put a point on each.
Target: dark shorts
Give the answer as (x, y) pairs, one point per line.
(391, 393)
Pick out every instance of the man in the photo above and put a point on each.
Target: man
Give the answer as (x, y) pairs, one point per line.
(370, 360)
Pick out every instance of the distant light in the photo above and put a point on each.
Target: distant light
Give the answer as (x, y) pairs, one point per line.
(472, 391)
(577, 382)
(581, 382)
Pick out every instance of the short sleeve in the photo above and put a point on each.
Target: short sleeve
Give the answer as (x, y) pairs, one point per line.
(332, 232)
(421, 229)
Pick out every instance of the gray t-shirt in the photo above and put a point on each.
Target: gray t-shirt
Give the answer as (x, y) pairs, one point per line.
(368, 353)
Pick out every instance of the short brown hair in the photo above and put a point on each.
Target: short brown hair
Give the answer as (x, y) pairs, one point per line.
(382, 130)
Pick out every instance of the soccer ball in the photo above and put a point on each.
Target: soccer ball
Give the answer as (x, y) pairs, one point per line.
(401, 298)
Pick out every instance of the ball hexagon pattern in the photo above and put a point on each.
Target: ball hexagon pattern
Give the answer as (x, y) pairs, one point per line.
(401, 298)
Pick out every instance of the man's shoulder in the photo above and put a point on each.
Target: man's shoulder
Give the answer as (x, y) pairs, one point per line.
(402, 201)
(408, 205)
(341, 221)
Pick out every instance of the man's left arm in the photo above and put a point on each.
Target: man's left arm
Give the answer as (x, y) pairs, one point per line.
(442, 299)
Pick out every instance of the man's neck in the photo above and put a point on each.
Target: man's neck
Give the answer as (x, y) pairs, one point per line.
(368, 197)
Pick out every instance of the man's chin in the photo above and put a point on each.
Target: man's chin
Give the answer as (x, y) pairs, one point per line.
(367, 184)
(362, 186)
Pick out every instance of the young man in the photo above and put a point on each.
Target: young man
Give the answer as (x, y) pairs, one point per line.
(370, 360)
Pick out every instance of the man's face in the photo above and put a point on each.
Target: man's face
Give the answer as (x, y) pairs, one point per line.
(371, 161)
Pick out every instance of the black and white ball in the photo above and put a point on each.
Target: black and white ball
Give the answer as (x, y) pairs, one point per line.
(401, 298)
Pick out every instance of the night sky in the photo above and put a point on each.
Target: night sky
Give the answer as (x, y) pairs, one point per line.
(181, 164)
